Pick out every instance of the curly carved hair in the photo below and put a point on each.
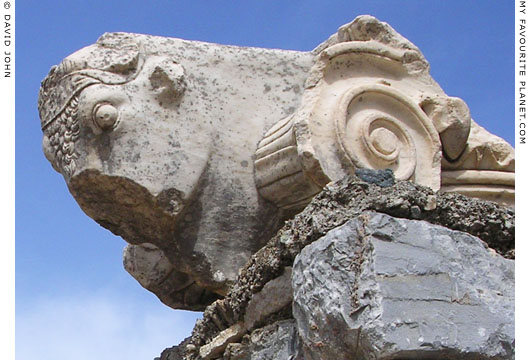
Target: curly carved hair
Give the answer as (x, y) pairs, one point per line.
(61, 136)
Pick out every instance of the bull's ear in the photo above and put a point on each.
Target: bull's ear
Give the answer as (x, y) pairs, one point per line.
(167, 80)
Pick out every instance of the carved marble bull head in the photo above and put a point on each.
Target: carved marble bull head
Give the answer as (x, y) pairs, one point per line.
(155, 139)
(180, 148)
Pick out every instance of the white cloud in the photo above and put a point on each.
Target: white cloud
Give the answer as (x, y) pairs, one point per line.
(99, 326)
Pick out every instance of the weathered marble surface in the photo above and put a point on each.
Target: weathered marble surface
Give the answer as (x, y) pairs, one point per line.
(195, 152)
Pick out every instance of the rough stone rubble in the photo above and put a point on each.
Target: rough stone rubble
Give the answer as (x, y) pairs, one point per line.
(339, 203)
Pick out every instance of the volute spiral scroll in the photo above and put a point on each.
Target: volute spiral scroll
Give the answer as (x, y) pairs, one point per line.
(379, 127)
(369, 102)
(355, 113)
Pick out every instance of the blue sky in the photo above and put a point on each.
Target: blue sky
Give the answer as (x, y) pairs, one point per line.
(73, 298)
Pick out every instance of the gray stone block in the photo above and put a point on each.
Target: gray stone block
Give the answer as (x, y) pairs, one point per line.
(275, 295)
(379, 287)
(278, 341)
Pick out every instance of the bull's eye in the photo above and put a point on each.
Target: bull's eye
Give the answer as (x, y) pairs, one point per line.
(105, 116)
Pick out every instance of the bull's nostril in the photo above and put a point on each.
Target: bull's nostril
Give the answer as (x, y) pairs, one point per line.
(105, 116)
